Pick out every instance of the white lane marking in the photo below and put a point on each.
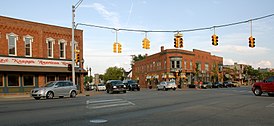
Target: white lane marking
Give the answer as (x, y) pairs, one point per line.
(100, 101)
(107, 103)
(271, 105)
(113, 105)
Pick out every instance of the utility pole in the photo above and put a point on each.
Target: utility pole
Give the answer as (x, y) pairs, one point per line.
(74, 7)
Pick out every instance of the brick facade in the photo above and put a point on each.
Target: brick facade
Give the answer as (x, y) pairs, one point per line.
(179, 65)
(39, 33)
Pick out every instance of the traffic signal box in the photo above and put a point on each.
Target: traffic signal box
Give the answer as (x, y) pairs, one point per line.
(115, 47)
(119, 47)
(69, 67)
(77, 56)
(214, 40)
(146, 43)
(251, 42)
(178, 40)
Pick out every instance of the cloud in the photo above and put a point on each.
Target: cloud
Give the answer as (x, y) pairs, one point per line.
(264, 64)
(243, 50)
(112, 17)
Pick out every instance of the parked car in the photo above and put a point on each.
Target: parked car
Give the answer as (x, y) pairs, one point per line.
(100, 87)
(228, 84)
(166, 85)
(206, 85)
(115, 86)
(132, 85)
(191, 86)
(217, 85)
(236, 84)
(266, 86)
(55, 89)
(90, 87)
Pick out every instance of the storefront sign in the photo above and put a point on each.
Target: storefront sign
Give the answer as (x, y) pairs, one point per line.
(33, 62)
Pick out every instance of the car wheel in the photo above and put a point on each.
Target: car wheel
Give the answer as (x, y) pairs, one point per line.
(164, 89)
(50, 95)
(138, 89)
(107, 91)
(124, 91)
(174, 89)
(37, 98)
(257, 92)
(73, 94)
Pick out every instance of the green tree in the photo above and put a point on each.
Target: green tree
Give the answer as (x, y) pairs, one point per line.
(137, 58)
(113, 73)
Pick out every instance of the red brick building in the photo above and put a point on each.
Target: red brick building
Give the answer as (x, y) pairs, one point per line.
(32, 54)
(181, 65)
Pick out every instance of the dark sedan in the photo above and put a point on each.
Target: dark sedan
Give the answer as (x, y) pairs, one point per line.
(115, 86)
(131, 85)
(217, 85)
(206, 85)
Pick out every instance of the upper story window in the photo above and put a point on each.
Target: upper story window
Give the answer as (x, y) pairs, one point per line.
(206, 67)
(12, 42)
(190, 65)
(185, 64)
(50, 42)
(62, 48)
(28, 46)
(176, 62)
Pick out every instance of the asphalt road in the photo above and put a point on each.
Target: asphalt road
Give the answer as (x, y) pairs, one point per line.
(189, 107)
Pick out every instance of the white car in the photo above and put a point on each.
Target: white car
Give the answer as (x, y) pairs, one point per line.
(165, 85)
(101, 87)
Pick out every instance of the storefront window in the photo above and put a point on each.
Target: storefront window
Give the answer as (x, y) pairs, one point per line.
(50, 78)
(28, 80)
(62, 78)
(13, 80)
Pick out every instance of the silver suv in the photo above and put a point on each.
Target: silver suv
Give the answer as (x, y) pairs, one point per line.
(55, 89)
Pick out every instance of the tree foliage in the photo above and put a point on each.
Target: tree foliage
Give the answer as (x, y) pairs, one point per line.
(137, 58)
(113, 73)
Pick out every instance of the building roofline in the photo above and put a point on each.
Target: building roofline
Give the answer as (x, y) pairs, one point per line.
(38, 23)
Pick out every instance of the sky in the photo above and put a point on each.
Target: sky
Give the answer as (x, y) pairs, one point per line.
(152, 15)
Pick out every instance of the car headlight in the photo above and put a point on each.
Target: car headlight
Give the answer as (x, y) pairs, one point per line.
(114, 87)
(124, 86)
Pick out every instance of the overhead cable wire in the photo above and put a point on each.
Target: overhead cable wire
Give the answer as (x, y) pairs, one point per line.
(184, 30)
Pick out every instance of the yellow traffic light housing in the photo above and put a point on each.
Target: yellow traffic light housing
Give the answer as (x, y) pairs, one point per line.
(181, 42)
(178, 40)
(214, 40)
(251, 42)
(146, 43)
(77, 56)
(119, 48)
(115, 47)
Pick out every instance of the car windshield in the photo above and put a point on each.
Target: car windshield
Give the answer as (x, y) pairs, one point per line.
(101, 85)
(171, 82)
(116, 82)
(131, 81)
(49, 84)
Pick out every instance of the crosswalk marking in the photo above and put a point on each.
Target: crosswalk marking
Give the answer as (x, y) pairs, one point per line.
(97, 104)
(271, 105)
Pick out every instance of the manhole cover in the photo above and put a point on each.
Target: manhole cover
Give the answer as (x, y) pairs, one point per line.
(98, 121)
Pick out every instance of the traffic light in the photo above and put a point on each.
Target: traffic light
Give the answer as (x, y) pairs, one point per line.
(176, 42)
(77, 56)
(251, 42)
(214, 40)
(181, 42)
(119, 48)
(146, 43)
(69, 67)
(115, 47)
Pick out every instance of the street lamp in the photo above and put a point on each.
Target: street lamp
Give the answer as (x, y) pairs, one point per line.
(74, 7)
